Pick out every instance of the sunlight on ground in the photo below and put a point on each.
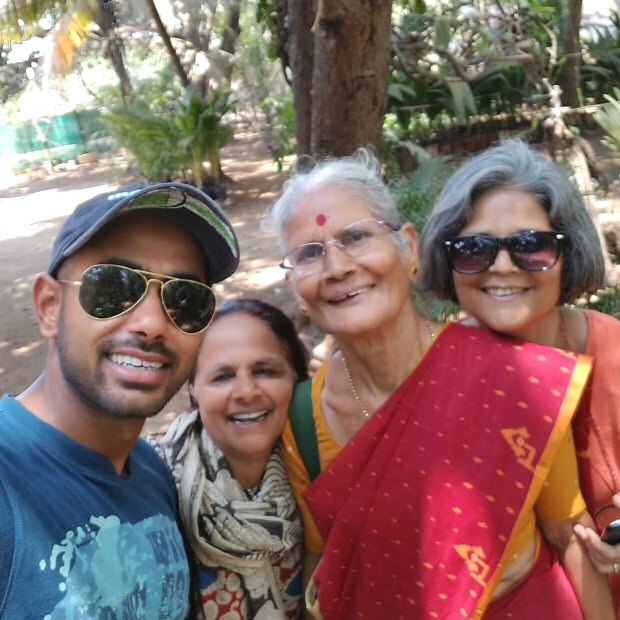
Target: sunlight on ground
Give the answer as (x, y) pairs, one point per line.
(27, 349)
(31, 213)
(19, 230)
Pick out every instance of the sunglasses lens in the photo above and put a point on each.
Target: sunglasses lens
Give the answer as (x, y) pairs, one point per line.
(190, 305)
(110, 290)
(472, 254)
(534, 250)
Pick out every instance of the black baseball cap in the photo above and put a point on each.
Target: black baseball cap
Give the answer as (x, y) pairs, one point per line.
(181, 203)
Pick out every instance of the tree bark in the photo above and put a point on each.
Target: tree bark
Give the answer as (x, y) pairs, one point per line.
(569, 76)
(350, 75)
(163, 33)
(300, 48)
(232, 29)
(113, 48)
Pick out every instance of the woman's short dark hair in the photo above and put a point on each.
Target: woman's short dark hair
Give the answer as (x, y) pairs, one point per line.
(513, 165)
(281, 326)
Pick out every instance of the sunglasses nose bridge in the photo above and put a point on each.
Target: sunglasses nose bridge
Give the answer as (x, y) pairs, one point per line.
(502, 259)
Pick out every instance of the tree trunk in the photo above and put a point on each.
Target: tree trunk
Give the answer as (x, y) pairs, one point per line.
(113, 48)
(571, 49)
(231, 32)
(350, 76)
(300, 48)
(163, 33)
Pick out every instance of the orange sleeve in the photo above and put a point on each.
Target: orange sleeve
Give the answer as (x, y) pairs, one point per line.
(560, 497)
(328, 448)
(300, 481)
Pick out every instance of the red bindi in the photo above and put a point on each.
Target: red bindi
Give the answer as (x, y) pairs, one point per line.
(321, 219)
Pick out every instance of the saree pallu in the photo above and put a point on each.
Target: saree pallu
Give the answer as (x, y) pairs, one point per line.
(419, 507)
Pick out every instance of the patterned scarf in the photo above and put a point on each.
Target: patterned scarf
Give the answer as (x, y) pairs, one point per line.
(230, 528)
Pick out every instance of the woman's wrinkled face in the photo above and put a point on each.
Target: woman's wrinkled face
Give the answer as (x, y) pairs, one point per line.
(243, 386)
(505, 298)
(348, 295)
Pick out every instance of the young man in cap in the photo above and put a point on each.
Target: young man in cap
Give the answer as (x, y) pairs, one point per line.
(87, 510)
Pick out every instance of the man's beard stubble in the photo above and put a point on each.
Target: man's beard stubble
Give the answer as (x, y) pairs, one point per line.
(92, 390)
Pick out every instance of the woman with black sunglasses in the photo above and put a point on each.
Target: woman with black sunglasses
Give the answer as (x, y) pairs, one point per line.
(510, 240)
(435, 445)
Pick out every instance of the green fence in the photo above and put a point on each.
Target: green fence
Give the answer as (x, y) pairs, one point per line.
(56, 138)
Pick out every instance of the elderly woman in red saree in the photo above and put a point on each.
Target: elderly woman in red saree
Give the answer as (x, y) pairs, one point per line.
(511, 240)
(449, 477)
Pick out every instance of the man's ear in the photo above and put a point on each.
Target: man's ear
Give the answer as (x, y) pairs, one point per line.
(47, 297)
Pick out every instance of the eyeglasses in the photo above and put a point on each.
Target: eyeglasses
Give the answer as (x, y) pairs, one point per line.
(109, 291)
(354, 240)
(532, 250)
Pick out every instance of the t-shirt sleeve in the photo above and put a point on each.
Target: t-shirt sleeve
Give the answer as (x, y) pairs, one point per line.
(560, 497)
(300, 481)
(7, 541)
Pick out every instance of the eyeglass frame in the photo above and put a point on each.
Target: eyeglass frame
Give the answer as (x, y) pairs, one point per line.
(160, 278)
(502, 243)
(336, 242)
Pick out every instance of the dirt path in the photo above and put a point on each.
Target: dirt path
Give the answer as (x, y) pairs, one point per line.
(31, 211)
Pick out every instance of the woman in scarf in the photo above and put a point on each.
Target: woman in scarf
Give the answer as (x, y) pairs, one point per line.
(510, 239)
(448, 468)
(236, 504)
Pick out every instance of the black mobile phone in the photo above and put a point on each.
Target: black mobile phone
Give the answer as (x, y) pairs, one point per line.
(611, 534)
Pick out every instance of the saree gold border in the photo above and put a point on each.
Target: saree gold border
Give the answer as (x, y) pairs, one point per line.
(568, 408)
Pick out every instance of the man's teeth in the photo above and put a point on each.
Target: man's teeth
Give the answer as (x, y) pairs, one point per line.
(351, 294)
(129, 360)
(246, 418)
(503, 292)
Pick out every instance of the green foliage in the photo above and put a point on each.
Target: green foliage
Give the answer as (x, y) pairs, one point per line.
(415, 193)
(153, 140)
(280, 110)
(166, 144)
(267, 14)
(203, 133)
(606, 300)
(603, 59)
(608, 117)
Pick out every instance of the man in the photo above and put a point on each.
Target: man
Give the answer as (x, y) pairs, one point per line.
(87, 510)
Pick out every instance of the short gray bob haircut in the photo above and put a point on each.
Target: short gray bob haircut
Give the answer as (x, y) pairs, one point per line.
(513, 165)
(359, 174)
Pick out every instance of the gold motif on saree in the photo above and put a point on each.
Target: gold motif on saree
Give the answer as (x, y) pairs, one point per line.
(517, 440)
(474, 557)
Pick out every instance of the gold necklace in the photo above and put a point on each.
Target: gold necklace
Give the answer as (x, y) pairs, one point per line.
(347, 372)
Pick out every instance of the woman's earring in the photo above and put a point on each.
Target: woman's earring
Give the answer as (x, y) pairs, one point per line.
(414, 270)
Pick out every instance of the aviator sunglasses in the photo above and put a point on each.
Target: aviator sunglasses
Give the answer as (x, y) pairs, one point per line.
(109, 291)
(531, 250)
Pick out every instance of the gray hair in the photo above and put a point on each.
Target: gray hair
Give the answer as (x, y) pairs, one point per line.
(513, 165)
(359, 174)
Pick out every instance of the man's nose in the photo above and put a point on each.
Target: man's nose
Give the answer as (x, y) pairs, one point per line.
(148, 317)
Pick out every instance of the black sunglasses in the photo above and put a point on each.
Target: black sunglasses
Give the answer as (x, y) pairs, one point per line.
(531, 250)
(108, 291)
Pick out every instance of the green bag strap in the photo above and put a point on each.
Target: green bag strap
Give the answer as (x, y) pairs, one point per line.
(304, 430)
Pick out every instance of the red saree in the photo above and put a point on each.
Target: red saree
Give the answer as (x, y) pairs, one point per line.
(418, 508)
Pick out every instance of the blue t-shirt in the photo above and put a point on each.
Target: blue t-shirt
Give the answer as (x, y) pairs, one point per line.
(79, 541)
